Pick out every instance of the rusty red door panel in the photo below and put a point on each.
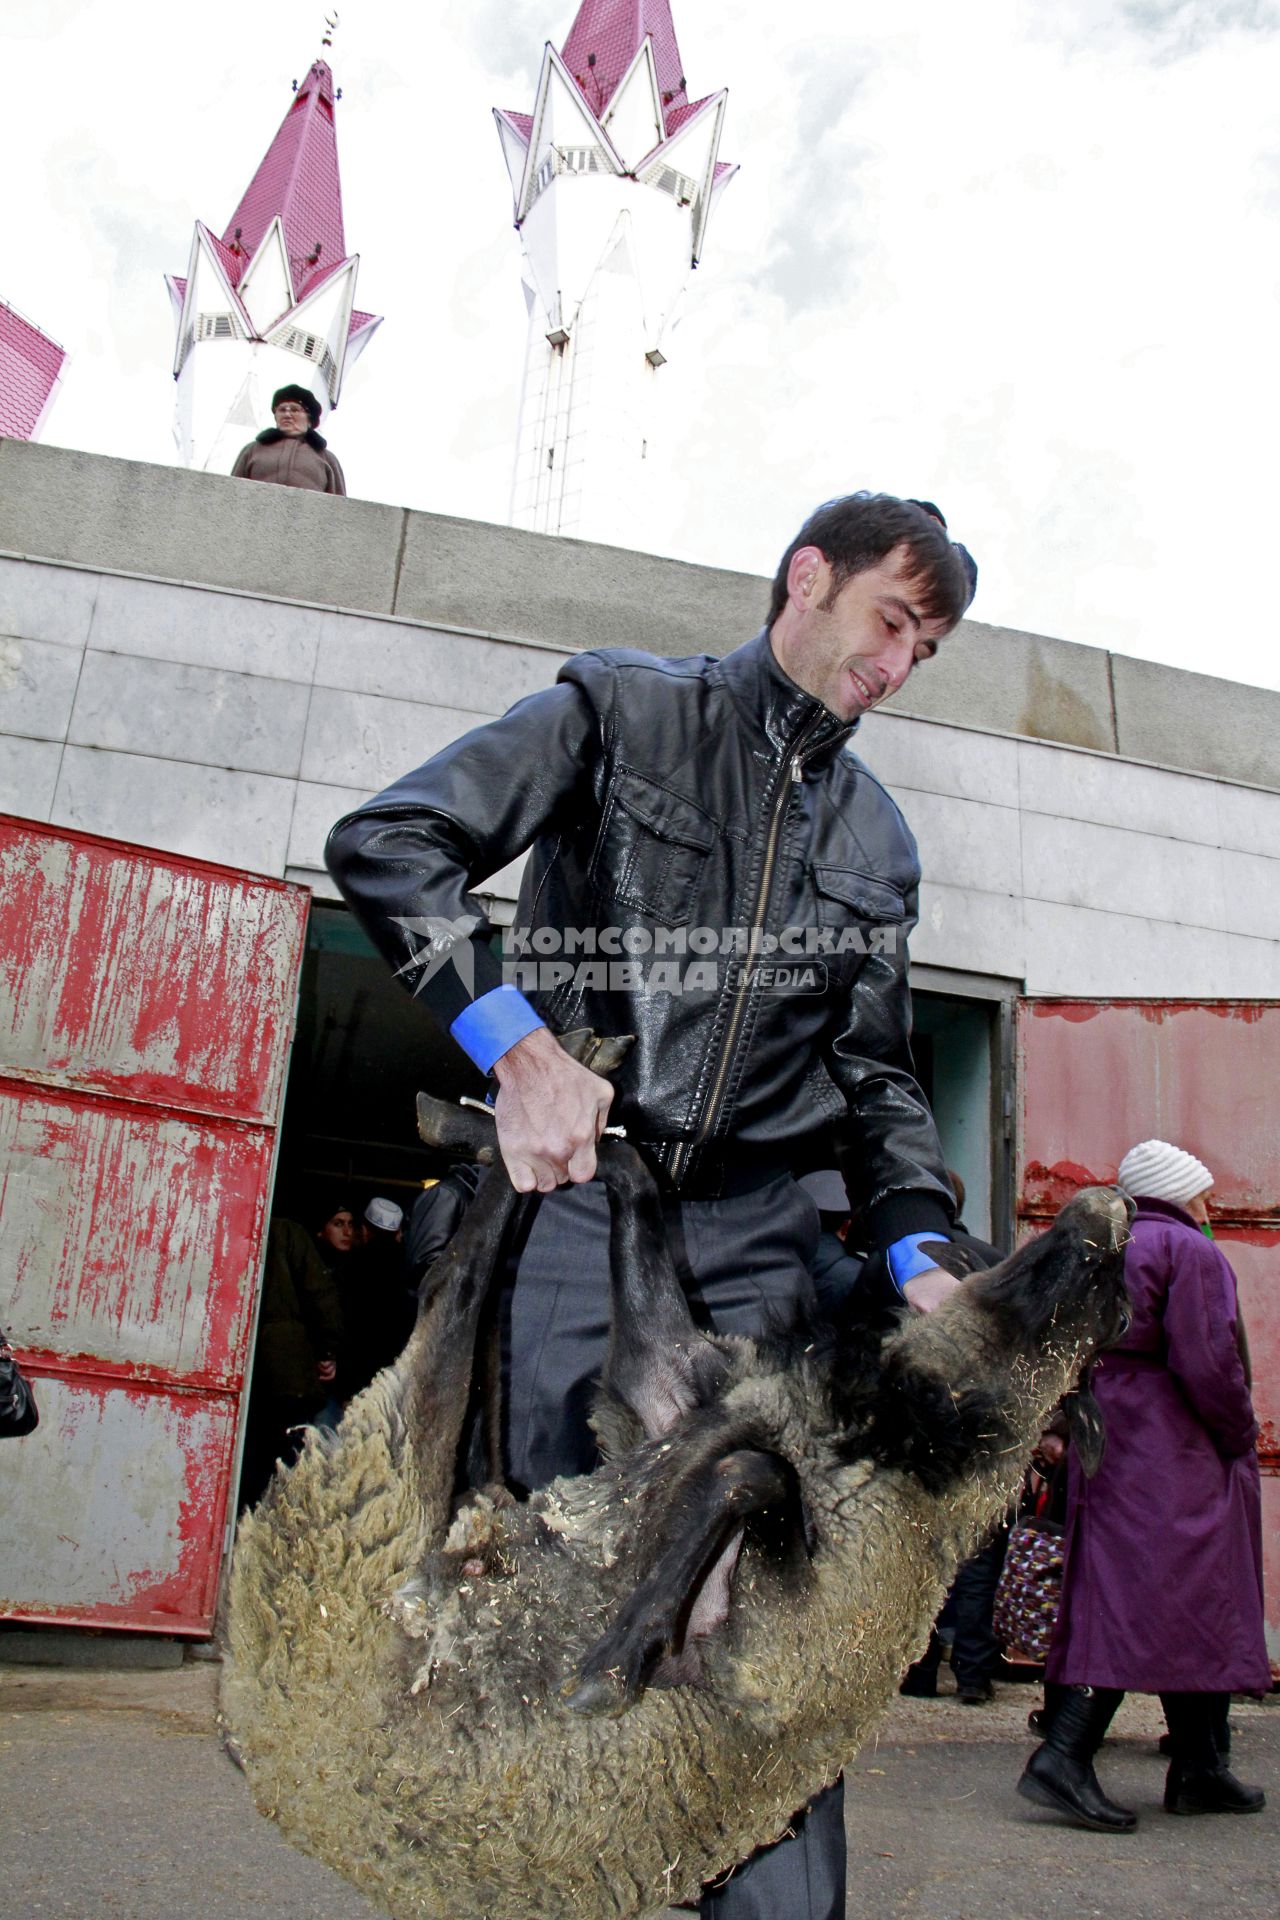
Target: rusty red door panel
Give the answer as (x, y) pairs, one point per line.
(122, 1506)
(146, 1014)
(124, 1230)
(1096, 1076)
(157, 978)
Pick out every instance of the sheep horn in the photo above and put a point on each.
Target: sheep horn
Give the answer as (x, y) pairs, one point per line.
(463, 1130)
(602, 1052)
(468, 1129)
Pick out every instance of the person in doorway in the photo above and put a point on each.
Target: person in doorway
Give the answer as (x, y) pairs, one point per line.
(836, 1265)
(336, 1233)
(300, 1335)
(378, 1310)
(689, 807)
(292, 453)
(435, 1217)
(1162, 1582)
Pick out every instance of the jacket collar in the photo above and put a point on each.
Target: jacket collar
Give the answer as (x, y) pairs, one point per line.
(1164, 1210)
(787, 713)
(269, 436)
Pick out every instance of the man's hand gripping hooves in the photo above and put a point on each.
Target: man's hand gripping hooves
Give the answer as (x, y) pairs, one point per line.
(550, 1112)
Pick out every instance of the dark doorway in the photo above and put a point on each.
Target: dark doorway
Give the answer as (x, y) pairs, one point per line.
(956, 1044)
(363, 1051)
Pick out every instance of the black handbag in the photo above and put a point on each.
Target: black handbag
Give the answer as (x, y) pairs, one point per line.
(18, 1412)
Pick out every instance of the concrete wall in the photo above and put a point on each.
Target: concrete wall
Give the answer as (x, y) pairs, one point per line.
(367, 558)
(237, 725)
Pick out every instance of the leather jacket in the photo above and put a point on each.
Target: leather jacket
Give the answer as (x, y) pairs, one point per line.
(672, 806)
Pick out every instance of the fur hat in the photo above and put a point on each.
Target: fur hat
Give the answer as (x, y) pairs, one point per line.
(1162, 1172)
(302, 397)
(385, 1215)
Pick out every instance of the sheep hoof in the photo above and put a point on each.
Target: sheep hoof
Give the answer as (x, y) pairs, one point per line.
(601, 1696)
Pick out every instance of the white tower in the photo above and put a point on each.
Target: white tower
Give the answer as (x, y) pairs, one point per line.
(614, 175)
(273, 301)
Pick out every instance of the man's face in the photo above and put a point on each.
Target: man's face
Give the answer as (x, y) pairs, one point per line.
(339, 1231)
(291, 418)
(852, 651)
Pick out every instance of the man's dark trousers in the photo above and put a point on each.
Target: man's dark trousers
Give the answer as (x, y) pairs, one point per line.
(744, 1263)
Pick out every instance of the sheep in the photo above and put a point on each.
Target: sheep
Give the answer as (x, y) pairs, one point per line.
(471, 1709)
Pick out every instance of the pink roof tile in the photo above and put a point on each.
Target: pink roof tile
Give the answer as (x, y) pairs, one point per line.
(614, 31)
(298, 179)
(30, 363)
(359, 320)
(676, 116)
(233, 259)
(522, 122)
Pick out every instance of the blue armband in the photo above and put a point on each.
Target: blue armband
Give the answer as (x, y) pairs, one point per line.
(492, 1024)
(906, 1260)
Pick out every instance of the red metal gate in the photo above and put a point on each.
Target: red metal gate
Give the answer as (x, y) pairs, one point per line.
(146, 1014)
(1096, 1076)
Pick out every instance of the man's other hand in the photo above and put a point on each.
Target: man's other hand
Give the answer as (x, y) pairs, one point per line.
(550, 1112)
(927, 1290)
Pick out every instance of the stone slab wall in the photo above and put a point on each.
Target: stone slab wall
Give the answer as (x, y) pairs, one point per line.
(237, 727)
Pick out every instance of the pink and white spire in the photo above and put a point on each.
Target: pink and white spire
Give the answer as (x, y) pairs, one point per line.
(613, 176)
(272, 301)
(30, 369)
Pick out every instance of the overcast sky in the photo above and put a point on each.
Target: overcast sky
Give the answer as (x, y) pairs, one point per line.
(1019, 256)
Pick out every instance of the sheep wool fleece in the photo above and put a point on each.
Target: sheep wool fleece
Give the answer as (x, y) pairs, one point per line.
(394, 1678)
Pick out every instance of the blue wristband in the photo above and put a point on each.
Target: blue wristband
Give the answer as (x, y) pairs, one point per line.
(906, 1260)
(491, 1025)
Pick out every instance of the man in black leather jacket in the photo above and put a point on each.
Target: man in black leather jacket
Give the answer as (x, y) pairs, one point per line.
(712, 871)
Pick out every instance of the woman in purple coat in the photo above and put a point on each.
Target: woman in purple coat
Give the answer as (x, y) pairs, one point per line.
(1162, 1588)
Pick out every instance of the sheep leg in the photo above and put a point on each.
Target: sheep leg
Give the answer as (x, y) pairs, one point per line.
(439, 1360)
(658, 1364)
(714, 1501)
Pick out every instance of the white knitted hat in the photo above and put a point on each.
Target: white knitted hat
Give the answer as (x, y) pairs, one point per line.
(1162, 1172)
(384, 1214)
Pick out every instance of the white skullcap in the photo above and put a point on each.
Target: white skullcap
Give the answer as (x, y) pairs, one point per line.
(384, 1214)
(1163, 1172)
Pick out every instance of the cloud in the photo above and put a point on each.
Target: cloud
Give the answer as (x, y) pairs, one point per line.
(1018, 259)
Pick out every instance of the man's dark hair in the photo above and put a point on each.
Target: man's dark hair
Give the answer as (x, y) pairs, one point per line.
(861, 530)
(301, 397)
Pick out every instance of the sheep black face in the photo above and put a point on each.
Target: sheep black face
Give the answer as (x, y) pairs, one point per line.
(398, 1671)
(921, 1404)
(1061, 1293)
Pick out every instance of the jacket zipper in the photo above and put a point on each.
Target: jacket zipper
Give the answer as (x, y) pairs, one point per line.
(786, 787)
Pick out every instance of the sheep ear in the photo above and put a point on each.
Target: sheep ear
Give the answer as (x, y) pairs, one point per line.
(1085, 1426)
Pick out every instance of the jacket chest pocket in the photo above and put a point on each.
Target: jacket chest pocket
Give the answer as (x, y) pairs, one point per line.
(651, 849)
(857, 915)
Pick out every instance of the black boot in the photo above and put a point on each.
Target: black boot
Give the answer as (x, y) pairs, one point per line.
(1041, 1718)
(1060, 1773)
(1199, 1781)
(1220, 1727)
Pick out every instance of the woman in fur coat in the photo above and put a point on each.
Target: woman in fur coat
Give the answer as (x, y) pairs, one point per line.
(292, 453)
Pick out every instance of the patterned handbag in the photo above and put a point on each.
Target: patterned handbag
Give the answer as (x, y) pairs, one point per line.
(1029, 1590)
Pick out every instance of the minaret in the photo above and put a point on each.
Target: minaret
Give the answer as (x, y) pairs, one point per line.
(614, 175)
(30, 369)
(273, 301)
